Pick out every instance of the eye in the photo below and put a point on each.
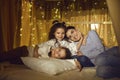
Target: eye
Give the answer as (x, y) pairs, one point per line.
(58, 32)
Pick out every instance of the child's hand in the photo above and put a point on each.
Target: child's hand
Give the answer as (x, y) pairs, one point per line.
(79, 53)
(78, 64)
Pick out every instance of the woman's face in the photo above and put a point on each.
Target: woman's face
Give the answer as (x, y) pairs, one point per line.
(59, 34)
(58, 53)
(73, 35)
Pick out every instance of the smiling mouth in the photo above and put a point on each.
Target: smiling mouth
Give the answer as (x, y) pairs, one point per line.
(76, 36)
(60, 37)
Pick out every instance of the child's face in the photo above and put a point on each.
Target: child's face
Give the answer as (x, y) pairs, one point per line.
(58, 53)
(59, 34)
(73, 34)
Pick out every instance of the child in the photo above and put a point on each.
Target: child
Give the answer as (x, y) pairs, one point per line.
(56, 39)
(14, 56)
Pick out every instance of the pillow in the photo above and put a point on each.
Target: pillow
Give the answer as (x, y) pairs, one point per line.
(48, 65)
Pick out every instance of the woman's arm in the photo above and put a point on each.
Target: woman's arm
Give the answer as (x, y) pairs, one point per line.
(35, 53)
(79, 53)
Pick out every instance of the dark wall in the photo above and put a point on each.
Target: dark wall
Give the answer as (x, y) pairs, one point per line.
(1, 36)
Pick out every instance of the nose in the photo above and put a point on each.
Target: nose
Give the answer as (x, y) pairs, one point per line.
(56, 54)
(61, 35)
(72, 35)
(56, 51)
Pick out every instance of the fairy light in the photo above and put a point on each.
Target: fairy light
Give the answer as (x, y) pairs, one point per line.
(58, 3)
(21, 17)
(21, 29)
(66, 16)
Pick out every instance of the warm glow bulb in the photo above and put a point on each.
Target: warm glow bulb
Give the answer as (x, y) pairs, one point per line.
(21, 29)
(20, 34)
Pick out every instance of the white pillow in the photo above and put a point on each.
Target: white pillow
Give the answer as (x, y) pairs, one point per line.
(48, 65)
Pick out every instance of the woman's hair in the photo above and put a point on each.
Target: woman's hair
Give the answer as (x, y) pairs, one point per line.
(68, 28)
(67, 51)
(55, 26)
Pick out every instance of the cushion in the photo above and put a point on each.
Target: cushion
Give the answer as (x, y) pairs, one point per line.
(48, 65)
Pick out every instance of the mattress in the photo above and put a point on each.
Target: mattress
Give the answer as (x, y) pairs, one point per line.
(21, 72)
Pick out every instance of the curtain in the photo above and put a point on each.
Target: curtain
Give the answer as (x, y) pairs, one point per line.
(98, 20)
(115, 15)
(38, 20)
(8, 24)
(27, 22)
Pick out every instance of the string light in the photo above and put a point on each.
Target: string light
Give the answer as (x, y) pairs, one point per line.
(20, 35)
(70, 15)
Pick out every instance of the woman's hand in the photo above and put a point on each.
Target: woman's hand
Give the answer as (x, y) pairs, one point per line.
(80, 34)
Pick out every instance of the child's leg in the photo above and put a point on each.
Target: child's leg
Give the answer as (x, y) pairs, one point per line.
(14, 55)
(84, 61)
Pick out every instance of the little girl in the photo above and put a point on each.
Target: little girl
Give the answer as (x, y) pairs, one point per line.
(56, 38)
